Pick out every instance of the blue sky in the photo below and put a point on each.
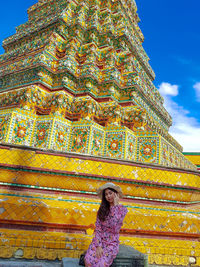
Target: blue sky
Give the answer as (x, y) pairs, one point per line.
(172, 41)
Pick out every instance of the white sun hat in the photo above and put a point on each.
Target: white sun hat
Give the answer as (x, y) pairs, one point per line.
(109, 185)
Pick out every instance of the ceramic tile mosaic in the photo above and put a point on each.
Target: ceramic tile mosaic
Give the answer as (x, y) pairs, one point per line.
(21, 129)
(42, 134)
(148, 149)
(97, 141)
(60, 135)
(78, 109)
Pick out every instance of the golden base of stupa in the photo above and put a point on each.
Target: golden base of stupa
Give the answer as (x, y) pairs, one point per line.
(48, 206)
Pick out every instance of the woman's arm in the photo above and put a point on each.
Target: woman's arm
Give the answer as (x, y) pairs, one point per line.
(98, 233)
(119, 213)
(97, 239)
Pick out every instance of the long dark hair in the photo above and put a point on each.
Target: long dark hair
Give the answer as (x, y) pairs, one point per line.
(104, 208)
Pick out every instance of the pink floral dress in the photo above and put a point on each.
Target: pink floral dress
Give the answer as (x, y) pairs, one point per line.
(107, 237)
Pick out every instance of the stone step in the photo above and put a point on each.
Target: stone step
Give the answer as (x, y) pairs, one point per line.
(28, 263)
(70, 262)
(127, 257)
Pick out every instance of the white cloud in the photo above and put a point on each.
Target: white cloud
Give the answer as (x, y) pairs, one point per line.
(196, 86)
(168, 89)
(185, 129)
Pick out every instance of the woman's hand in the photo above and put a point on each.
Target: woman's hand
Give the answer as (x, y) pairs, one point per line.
(99, 252)
(116, 199)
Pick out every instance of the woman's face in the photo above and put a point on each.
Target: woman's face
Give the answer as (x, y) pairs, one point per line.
(109, 195)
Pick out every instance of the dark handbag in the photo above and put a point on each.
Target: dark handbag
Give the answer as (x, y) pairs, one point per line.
(82, 259)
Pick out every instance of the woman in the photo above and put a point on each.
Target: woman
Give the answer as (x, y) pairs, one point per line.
(110, 216)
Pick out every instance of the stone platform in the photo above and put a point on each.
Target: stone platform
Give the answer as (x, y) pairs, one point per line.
(70, 262)
(127, 257)
(28, 263)
(130, 257)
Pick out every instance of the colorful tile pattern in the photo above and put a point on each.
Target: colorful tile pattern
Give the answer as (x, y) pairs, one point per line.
(114, 144)
(75, 78)
(80, 139)
(42, 133)
(60, 135)
(97, 142)
(148, 149)
(131, 147)
(4, 125)
(21, 130)
(34, 105)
